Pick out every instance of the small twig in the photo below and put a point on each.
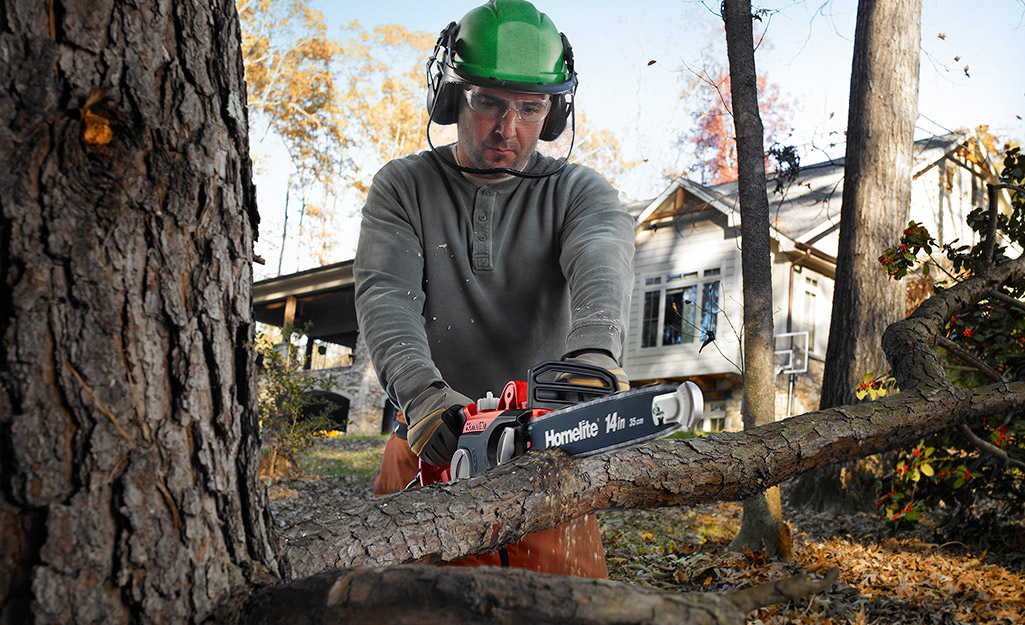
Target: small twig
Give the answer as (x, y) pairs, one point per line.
(1012, 187)
(967, 357)
(989, 449)
(99, 404)
(1007, 299)
(770, 593)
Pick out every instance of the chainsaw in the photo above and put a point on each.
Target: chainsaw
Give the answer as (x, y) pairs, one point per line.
(573, 406)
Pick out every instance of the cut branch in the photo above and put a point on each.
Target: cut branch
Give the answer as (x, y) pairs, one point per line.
(542, 489)
(788, 589)
(444, 595)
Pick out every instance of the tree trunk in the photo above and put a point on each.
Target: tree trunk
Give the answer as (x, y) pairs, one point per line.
(876, 196)
(127, 421)
(762, 527)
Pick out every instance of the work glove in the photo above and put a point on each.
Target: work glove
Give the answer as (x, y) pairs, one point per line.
(436, 419)
(601, 359)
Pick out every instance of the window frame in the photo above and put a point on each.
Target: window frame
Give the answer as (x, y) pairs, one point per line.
(653, 326)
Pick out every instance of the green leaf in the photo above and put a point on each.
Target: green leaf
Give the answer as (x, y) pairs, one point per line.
(927, 470)
(959, 482)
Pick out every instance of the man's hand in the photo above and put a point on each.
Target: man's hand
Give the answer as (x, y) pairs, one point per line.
(436, 420)
(602, 359)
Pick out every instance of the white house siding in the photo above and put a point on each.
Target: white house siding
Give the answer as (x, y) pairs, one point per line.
(694, 244)
(944, 194)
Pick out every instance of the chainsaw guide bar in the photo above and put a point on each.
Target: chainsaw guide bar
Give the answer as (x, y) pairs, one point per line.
(546, 414)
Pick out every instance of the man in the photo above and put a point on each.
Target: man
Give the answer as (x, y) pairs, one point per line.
(480, 260)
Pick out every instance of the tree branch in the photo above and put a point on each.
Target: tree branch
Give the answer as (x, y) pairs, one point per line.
(965, 356)
(771, 593)
(908, 343)
(438, 596)
(1012, 187)
(1007, 299)
(544, 488)
(989, 449)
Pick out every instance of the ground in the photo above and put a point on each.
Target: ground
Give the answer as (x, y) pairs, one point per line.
(885, 579)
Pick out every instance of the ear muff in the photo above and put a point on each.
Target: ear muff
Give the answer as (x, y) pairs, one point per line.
(442, 95)
(555, 123)
(562, 106)
(443, 101)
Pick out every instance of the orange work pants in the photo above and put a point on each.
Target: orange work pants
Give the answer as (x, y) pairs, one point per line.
(573, 548)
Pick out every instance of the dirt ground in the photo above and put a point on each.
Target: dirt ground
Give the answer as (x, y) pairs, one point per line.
(913, 577)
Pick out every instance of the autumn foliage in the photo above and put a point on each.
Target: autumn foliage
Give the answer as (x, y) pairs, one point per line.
(712, 140)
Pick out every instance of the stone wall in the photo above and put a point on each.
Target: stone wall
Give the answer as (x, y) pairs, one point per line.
(358, 383)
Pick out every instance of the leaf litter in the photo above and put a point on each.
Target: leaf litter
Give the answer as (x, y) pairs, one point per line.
(914, 577)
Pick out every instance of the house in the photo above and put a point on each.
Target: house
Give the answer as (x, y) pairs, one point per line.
(687, 307)
(688, 284)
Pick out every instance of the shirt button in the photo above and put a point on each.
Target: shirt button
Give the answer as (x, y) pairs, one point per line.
(482, 216)
(482, 237)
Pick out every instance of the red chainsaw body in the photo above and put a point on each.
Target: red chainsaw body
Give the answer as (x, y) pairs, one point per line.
(514, 397)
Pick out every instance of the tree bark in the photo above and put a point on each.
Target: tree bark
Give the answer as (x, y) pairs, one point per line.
(128, 490)
(876, 197)
(762, 526)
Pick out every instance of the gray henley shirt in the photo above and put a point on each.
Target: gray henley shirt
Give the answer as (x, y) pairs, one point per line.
(473, 284)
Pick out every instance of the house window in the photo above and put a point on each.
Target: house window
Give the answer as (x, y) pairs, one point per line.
(684, 310)
(810, 306)
(678, 325)
(716, 419)
(649, 323)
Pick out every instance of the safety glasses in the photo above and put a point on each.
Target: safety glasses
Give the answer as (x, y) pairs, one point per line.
(495, 107)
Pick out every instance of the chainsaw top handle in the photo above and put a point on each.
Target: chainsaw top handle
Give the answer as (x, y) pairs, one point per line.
(555, 384)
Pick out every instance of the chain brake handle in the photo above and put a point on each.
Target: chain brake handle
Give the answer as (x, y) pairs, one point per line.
(573, 382)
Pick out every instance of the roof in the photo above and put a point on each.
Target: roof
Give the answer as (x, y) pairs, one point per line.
(324, 301)
(805, 210)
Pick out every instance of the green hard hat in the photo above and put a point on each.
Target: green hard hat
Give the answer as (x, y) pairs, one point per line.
(511, 45)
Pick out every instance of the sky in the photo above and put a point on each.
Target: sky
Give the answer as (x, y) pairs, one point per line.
(633, 60)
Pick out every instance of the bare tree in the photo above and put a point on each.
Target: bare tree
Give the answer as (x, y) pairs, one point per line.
(762, 527)
(876, 197)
